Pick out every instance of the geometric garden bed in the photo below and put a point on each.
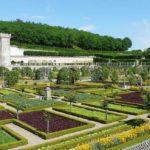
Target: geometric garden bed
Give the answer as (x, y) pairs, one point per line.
(57, 122)
(59, 125)
(35, 122)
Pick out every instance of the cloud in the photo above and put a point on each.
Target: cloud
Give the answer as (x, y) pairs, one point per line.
(142, 33)
(35, 17)
(38, 17)
(86, 18)
(87, 27)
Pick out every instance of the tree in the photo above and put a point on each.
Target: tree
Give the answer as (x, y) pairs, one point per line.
(105, 105)
(114, 76)
(3, 71)
(11, 78)
(132, 79)
(63, 75)
(72, 99)
(105, 73)
(74, 75)
(27, 72)
(127, 43)
(96, 74)
(144, 74)
(30, 33)
(38, 74)
(18, 108)
(47, 117)
(50, 75)
(85, 71)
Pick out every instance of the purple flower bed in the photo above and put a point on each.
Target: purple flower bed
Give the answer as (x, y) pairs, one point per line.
(4, 114)
(57, 123)
(133, 97)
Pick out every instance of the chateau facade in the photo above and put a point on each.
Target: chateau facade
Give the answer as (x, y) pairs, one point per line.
(12, 56)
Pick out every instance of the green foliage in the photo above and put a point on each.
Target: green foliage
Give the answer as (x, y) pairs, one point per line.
(144, 74)
(135, 122)
(33, 33)
(114, 76)
(3, 71)
(85, 71)
(147, 100)
(11, 78)
(68, 75)
(27, 72)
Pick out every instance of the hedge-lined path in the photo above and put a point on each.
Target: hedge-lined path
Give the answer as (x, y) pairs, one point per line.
(32, 138)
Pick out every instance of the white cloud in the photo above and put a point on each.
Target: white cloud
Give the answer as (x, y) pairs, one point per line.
(86, 18)
(142, 33)
(87, 27)
(35, 17)
(38, 17)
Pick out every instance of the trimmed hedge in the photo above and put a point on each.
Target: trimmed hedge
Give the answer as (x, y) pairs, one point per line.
(56, 53)
(20, 140)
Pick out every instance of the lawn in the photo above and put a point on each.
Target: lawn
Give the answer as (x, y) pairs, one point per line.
(57, 123)
(118, 107)
(6, 138)
(97, 115)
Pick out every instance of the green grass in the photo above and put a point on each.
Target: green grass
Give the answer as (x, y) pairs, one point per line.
(119, 108)
(5, 138)
(90, 114)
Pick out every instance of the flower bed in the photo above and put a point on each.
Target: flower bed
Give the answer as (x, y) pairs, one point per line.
(118, 138)
(57, 123)
(5, 114)
(133, 97)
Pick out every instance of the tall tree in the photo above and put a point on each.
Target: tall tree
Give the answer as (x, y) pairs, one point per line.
(11, 78)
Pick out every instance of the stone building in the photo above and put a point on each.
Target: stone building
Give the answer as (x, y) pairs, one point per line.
(12, 56)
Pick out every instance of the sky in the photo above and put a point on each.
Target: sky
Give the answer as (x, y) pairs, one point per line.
(117, 18)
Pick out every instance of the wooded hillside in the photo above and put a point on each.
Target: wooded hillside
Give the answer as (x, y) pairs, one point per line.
(45, 35)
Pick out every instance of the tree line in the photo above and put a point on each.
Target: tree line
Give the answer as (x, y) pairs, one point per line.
(55, 36)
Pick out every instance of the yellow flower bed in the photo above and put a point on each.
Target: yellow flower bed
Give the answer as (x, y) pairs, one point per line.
(120, 137)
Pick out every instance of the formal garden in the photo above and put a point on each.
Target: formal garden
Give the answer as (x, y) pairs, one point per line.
(64, 112)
